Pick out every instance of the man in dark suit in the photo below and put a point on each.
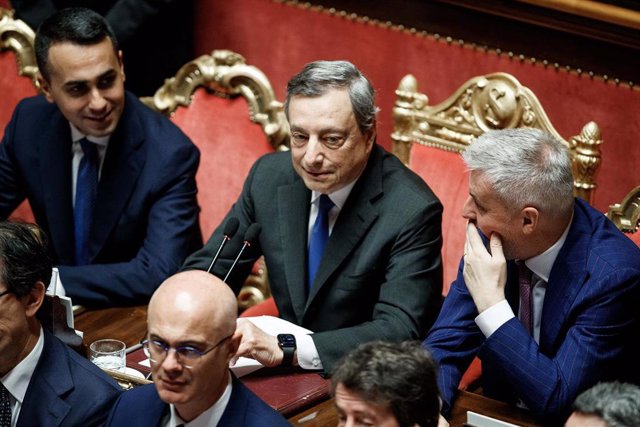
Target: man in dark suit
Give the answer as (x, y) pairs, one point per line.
(380, 275)
(42, 381)
(569, 274)
(110, 181)
(191, 338)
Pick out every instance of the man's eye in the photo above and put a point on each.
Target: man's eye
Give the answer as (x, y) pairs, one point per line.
(106, 82)
(299, 138)
(333, 141)
(76, 90)
(189, 352)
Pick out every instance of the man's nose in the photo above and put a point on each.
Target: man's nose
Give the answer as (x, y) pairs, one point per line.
(313, 154)
(468, 211)
(97, 102)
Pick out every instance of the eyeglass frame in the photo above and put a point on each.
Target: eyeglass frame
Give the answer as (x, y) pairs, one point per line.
(8, 291)
(179, 358)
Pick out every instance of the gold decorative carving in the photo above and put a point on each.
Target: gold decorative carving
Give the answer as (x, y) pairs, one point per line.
(226, 74)
(255, 289)
(483, 103)
(17, 36)
(626, 215)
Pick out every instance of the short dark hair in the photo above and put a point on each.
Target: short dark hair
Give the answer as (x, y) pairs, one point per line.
(401, 376)
(618, 404)
(316, 78)
(24, 257)
(75, 25)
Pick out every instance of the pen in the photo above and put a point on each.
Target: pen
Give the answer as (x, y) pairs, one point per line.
(132, 348)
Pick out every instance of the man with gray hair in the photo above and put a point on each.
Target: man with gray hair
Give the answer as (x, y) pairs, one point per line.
(612, 404)
(351, 237)
(547, 294)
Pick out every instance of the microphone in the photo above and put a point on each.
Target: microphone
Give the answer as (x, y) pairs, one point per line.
(229, 231)
(250, 236)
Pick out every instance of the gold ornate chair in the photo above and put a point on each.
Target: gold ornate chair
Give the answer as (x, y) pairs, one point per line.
(231, 114)
(18, 75)
(626, 214)
(429, 139)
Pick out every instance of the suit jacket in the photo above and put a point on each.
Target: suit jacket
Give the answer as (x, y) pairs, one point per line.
(381, 274)
(589, 319)
(142, 407)
(66, 390)
(146, 215)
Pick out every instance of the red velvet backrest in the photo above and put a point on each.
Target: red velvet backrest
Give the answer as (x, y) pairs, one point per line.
(229, 144)
(446, 174)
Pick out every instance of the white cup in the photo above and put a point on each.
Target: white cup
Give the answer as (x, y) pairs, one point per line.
(108, 354)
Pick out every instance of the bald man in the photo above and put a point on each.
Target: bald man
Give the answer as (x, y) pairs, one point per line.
(191, 338)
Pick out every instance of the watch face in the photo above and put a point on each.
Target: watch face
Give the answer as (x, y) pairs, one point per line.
(287, 340)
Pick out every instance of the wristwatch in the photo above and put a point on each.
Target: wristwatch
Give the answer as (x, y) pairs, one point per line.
(287, 342)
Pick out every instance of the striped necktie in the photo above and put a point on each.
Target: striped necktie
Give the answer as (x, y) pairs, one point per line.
(526, 307)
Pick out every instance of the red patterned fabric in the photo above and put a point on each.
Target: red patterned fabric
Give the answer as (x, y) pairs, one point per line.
(280, 38)
(229, 144)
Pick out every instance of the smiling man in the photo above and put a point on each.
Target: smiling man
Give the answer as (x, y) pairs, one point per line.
(191, 337)
(351, 237)
(549, 300)
(110, 181)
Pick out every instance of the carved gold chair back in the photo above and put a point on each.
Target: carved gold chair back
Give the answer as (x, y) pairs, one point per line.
(230, 112)
(429, 138)
(626, 214)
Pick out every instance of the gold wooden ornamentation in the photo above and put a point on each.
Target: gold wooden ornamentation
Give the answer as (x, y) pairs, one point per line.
(626, 215)
(226, 74)
(17, 36)
(126, 381)
(483, 103)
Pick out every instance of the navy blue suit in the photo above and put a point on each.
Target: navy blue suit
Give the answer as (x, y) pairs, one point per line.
(142, 407)
(589, 320)
(66, 390)
(146, 215)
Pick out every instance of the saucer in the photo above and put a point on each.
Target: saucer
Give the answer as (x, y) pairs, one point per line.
(133, 372)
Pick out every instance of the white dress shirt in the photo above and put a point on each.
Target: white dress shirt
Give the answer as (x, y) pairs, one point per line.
(209, 418)
(540, 265)
(308, 357)
(101, 144)
(17, 380)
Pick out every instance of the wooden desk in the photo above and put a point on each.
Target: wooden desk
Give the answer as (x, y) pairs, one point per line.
(127, 324)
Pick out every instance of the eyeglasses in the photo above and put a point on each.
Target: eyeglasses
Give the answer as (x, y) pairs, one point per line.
(186, 355)
(5, 293)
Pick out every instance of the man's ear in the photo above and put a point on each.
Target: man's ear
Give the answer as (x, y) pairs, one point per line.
(234, 344)
(45, 87)
(33, 300)
(121, 63)
(530, 217)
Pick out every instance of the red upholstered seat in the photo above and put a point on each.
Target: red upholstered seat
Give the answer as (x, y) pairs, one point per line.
(265, 308)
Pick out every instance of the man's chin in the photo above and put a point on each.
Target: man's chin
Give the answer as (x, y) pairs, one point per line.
(172, 396)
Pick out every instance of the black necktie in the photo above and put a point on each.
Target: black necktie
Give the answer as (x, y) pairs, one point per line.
(526, 303)
(86, 192)
(5, 407)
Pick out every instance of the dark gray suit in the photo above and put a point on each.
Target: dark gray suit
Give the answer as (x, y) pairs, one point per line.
(381, 276)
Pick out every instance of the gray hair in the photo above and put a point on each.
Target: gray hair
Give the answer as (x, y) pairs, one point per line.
(618, 404)
(316, 78)
(525, 167)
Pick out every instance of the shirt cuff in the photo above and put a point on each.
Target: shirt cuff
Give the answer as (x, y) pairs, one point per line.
(308, 357)
(495, 316)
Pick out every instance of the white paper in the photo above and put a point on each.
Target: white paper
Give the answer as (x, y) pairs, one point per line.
(478, 420)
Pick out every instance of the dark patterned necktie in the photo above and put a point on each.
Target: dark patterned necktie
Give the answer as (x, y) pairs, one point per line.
(86, 192)
(319, 237)
(5, 407)
(526, 307)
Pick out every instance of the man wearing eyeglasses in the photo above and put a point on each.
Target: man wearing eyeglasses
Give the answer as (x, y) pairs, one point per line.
(191, 338)
(42, 381)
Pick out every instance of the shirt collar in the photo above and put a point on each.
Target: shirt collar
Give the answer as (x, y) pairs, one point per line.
(76, 136)
(17, 380)
(338, 197)
(541, 264)
(209, 418)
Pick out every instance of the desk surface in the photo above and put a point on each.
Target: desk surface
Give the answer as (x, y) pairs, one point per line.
(128, 324)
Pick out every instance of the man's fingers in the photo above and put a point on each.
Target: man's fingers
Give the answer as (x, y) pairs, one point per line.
(496, 246)
(474, 241)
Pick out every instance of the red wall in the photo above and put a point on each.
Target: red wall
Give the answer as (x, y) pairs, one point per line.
(280, 38)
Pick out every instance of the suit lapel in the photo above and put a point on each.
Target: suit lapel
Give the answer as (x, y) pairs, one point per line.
(55, 174)
(355, 218)
(567, 277)
(51, 379)
(293, 205)
(120, 171)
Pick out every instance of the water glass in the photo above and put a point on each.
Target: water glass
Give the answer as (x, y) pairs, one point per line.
(108, 354)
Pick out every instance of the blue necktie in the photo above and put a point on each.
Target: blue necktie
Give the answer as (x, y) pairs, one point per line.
(319, 237)
(86, 191)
